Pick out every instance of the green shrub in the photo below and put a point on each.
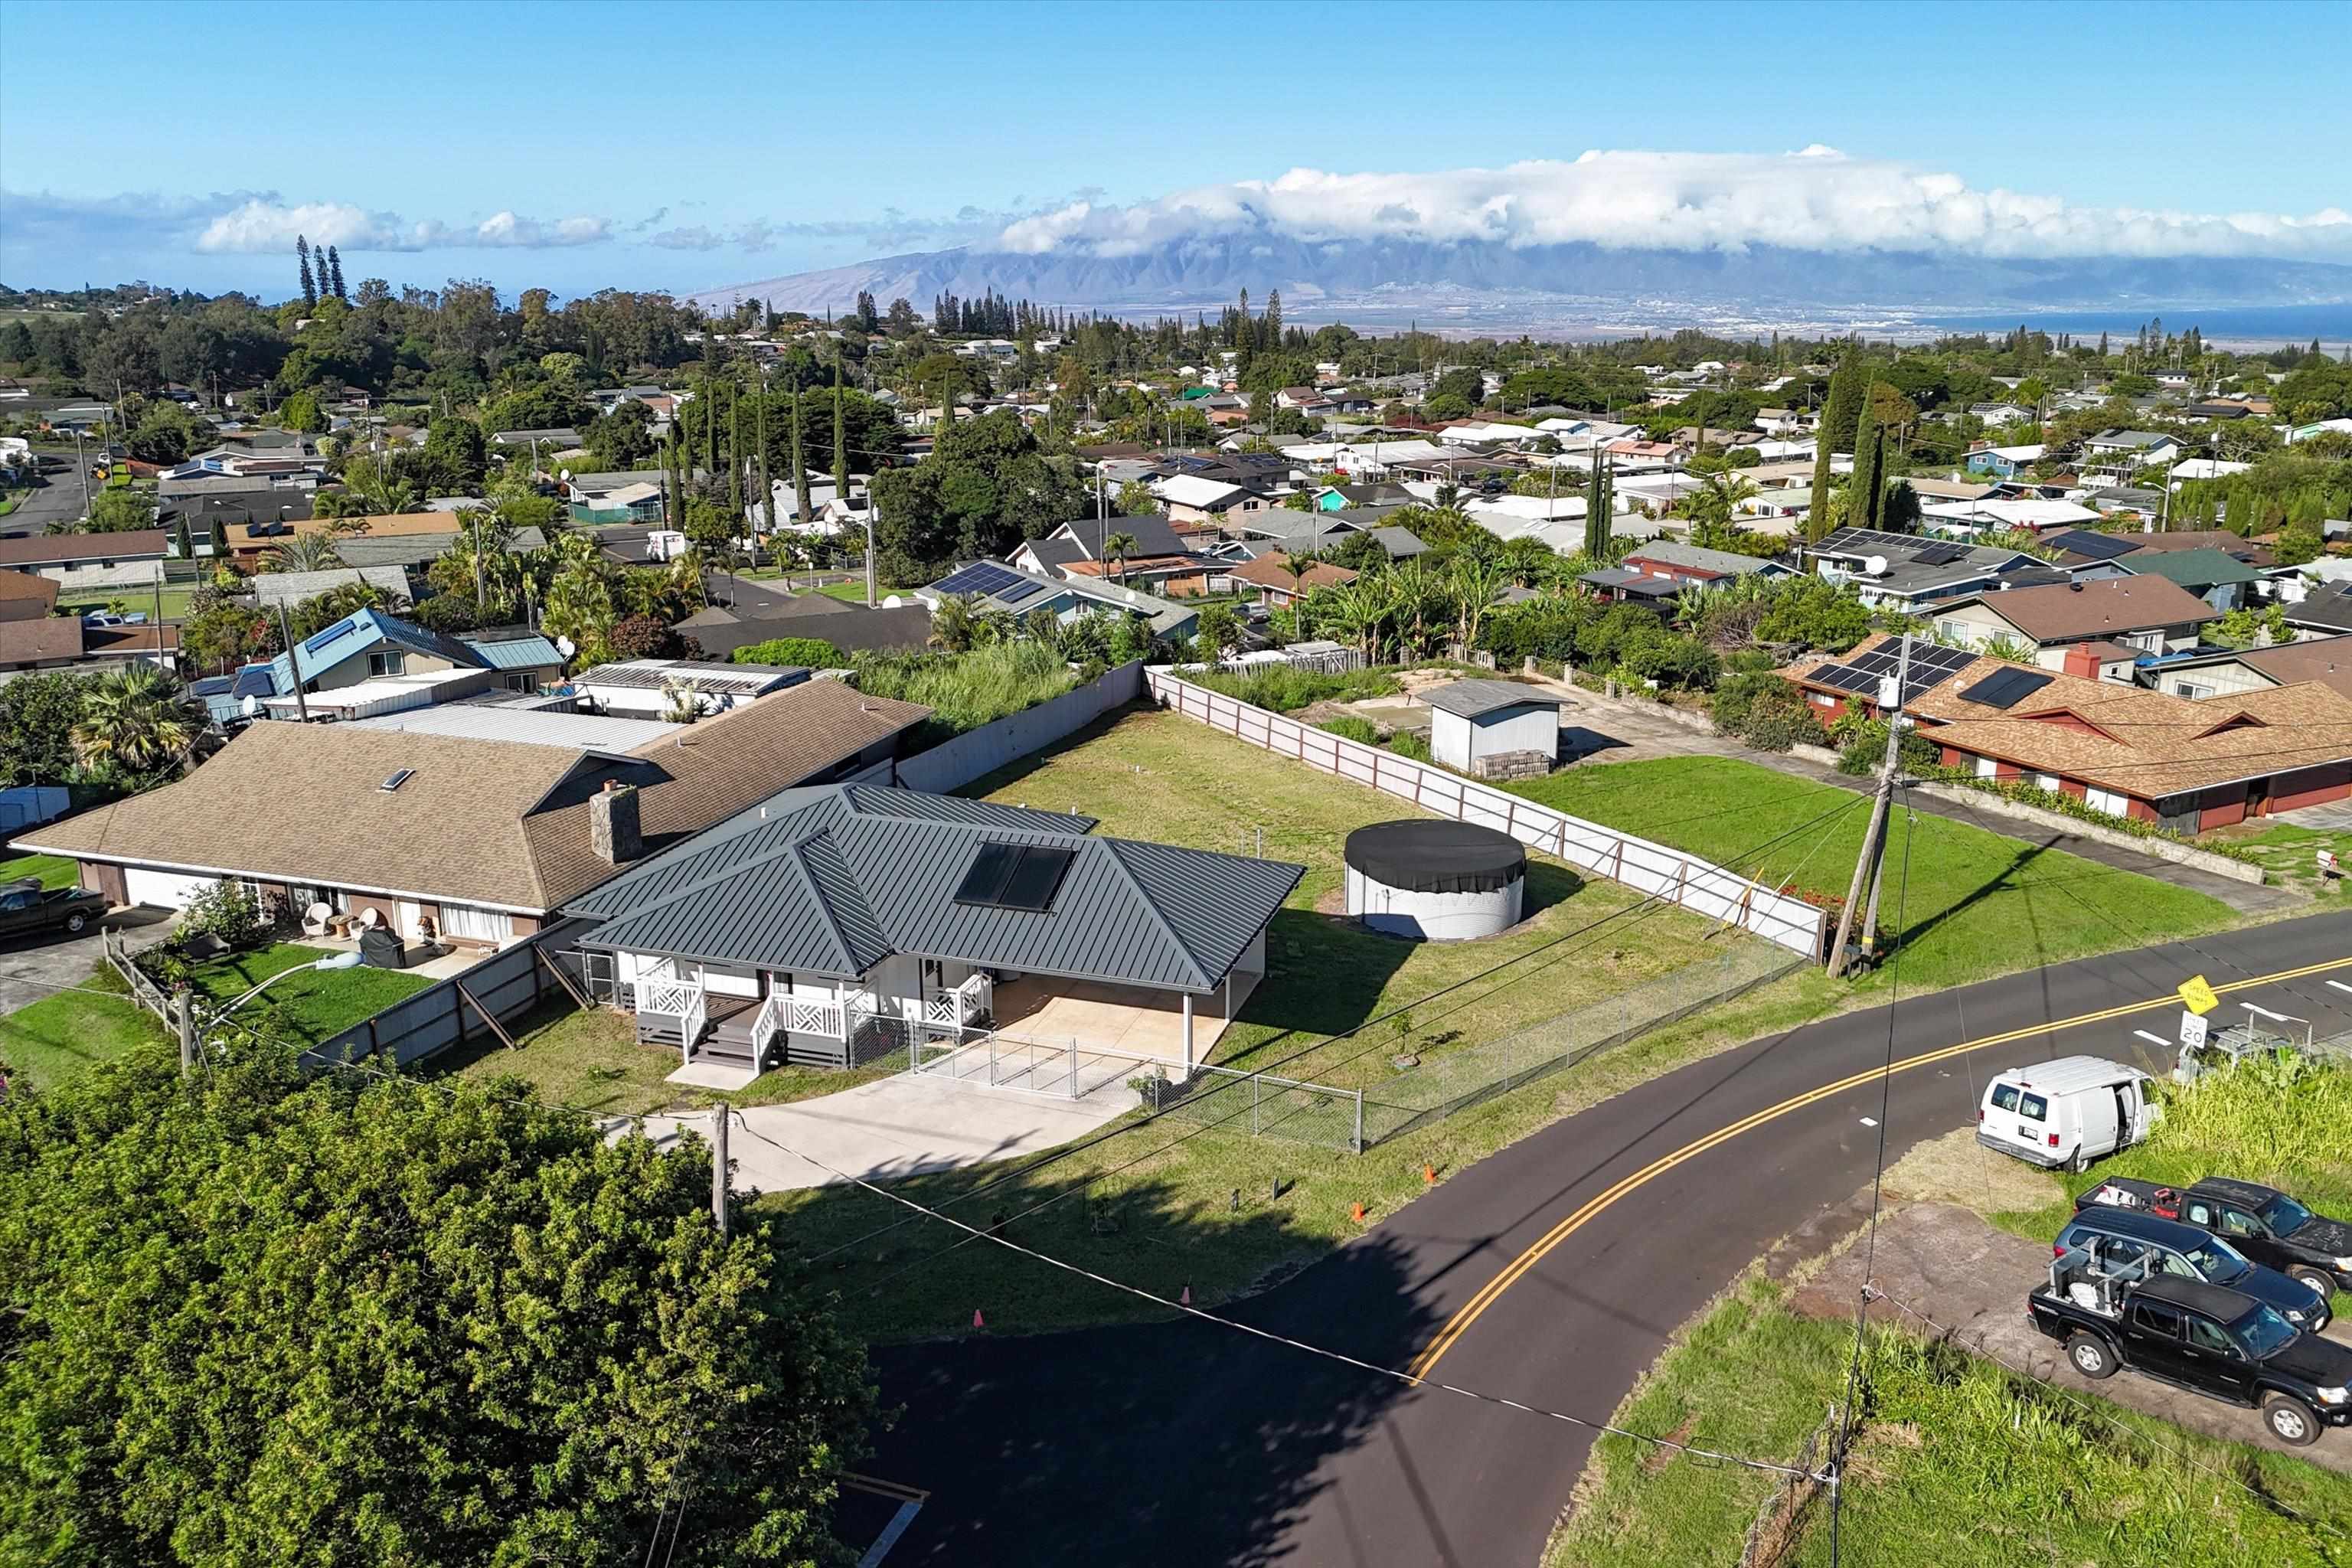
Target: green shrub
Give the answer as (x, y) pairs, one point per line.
(225, 910)
(1766, 712)
(814, 652)
(1347, 727)
(1286, 689)
(966, 691)
(1409, 743)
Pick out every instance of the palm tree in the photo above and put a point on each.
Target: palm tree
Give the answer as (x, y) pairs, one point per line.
(1119, 547)
(303, 553)
(141, 718)
(954, 626)
(682, 700)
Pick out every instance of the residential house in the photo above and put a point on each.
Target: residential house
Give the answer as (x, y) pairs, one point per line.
(837, 926)
(475, 841)
(560, 438)
(643, 686)
(2005, 462)
(2000, 413)
(273, 588)
(2138, 449)
(758, 617)
(2322, 613)
(1907, 573)
(2146, 613)
(1662, 570)
(624, 497)
(2328, 660)
(998, 585)
(69, 642)
(2213, 409)
(1984, 516)
(1193, 499)
(59, 554)
(1270, 575)
(2181, 765)
(2220, 580)
(26, 596)
(369, 646)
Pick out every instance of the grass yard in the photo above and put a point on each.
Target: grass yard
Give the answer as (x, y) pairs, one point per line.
(2289, 855)
(1943, 1433)
(591, 1061)
(175, 601)
(53, 871)
(1166, 1204)
(1157, 776)
(59, 1036)
(306, 1007)
(1979, 904)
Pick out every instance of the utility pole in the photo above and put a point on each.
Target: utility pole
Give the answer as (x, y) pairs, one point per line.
(301, 703)
(873, 510)
(718, 1169)
(81, 463)
(187, 1009)
(1873, 842)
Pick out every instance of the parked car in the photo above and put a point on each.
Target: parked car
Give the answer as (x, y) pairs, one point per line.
(26, 907)
(2217, 1342)
(2119, 1235)
(113, 618)
(2263, 1222)
(2062, 1114)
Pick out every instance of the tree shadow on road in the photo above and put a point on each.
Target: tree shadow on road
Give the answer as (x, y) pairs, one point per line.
(1182, 1442)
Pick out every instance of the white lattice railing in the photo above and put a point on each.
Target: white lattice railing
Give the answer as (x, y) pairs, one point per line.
(808, 1016)
(964, 1005)
(671, 997)
(764, 1028)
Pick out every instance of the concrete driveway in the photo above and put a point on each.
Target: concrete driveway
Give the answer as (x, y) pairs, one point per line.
(34, 967)
(893, 1127)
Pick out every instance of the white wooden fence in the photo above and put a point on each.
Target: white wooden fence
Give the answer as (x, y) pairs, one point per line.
(1696, 885)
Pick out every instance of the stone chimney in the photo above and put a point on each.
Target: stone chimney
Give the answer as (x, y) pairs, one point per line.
(612, 823)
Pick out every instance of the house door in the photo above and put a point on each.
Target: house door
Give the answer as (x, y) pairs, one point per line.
(2258, 798)
(934, 981)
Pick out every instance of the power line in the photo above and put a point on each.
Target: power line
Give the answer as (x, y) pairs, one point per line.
(1267, 1335)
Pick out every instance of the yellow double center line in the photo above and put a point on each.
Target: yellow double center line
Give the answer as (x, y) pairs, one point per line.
(1460, 1322)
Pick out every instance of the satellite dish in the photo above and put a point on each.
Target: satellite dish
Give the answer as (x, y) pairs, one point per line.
(252, 705)
(563, 473)
(566, 646)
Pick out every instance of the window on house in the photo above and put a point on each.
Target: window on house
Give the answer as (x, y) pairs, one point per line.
(387, 661)
(2048, 783)
(1987, 768)
(2188, 689)
(2108, 801)
(476, 925)
(517, 681)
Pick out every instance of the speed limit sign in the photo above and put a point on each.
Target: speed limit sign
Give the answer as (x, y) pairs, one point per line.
(2193, 1029)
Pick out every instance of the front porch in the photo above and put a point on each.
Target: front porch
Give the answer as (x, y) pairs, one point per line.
(1123, 1020)
(730, 1026)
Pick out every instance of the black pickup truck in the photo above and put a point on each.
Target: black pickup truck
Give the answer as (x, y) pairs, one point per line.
(2204, 1338)
(27, 908)
(2262, 1221)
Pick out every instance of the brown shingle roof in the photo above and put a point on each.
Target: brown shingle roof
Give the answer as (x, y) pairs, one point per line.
(1269, 572)
(28, 585)
(2066, 611)
(40, 549)
(40, 639)
(477, 821)
(2126, 738)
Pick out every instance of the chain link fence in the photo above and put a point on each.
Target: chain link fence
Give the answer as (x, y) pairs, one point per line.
(1442, 1085)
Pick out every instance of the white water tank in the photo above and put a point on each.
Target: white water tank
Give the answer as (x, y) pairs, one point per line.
(1435, 881)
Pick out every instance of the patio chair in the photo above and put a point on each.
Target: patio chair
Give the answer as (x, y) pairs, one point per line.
(368, 919)
(315, 919)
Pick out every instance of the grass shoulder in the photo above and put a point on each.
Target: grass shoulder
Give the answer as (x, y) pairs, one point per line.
(50, 1040)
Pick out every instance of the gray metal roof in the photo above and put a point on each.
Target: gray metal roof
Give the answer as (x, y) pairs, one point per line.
(515, 653)
(293, 587)
(648, 674)
(1471, 699)
(532, 726)
(831, 880)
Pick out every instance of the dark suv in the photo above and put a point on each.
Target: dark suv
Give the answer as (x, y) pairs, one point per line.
(2118, 1236)
(2263, 1222)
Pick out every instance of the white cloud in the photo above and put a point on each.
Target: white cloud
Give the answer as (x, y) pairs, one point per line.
(1814, 199)
(697, 237)
(264, 224)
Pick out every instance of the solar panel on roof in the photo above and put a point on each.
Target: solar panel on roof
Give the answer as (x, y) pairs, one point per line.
(1940, 555)
(2006, 689)
(1021, 589)
(985, 578)
(2098, 546)
(1015, 877)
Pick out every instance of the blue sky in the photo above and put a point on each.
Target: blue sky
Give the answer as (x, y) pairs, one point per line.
(687, 146)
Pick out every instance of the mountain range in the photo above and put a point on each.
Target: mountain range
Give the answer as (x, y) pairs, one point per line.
(1500, 287)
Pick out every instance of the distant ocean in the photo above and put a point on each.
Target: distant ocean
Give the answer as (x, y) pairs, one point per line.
(2265, 325)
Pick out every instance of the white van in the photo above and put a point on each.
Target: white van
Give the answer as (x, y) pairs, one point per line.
(2066, 1113)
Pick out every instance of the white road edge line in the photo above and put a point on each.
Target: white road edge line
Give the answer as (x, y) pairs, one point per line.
(2339, 985)
(2152, 1039)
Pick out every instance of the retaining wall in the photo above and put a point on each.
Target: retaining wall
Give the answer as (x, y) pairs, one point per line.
(956, 763)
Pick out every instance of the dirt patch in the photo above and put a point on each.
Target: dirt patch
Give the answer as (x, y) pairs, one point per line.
(1659, 1456)
(1956, 1169)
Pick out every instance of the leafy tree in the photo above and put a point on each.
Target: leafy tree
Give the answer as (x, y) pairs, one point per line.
(1457, 394)
(224, 633)
(646, 637)
(275, 1318)
(37, 713)
(622, 439)
(455, 457)
(301, 412)
(303, 553)
(984, 489)
(121, 512)
(811, 652)
(1134, 499)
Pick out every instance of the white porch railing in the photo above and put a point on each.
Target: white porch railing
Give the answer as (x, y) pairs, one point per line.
(764, 1027)
(965, 1005)
(680, 999)
(810, 1015)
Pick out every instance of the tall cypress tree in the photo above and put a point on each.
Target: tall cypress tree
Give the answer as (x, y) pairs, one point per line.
(767, 488)
(335, 274)
(735, 464)
(1865, 487)
(799, 466)
(1599, 500)
(309, 286)
(1840, 410)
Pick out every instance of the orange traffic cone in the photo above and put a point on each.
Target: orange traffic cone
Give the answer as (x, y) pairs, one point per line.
(977, 1320)
(1360, 1214)
(1428, 1175)
(1186, 1298)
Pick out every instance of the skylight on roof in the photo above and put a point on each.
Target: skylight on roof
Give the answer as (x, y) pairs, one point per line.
(399, 776)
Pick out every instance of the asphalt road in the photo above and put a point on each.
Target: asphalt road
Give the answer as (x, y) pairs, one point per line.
(1189, 1443)
(60, 500)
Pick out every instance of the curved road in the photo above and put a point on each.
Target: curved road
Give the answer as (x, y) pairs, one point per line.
(1552, 1271)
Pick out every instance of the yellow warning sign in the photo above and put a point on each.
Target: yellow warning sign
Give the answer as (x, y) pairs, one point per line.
(2198, 997)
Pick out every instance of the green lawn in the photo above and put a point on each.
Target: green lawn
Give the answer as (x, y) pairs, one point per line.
(1943, 1436)
(307, 1007)
(1166, 1204)
(54, 872)
(591, 1061)
(175, 601)
(2289, 855)
(59, 1035)
(1979, 904)
(854, 592)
